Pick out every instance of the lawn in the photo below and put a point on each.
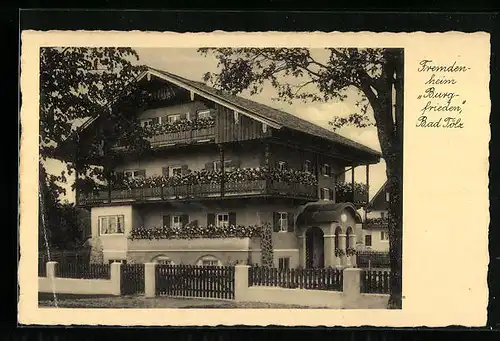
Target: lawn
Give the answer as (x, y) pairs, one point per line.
(81, 301)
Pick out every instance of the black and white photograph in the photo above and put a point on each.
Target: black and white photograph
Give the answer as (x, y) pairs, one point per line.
(220, 177)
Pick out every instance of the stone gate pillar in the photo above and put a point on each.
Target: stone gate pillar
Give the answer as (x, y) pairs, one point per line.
(342, 246)
(329, 246)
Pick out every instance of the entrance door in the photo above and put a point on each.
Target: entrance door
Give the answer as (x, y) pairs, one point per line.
(315, 257)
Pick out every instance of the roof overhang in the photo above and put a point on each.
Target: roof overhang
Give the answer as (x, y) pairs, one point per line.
(321, 213)
(211, 97)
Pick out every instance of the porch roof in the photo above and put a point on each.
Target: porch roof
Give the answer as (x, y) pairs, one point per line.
(327, 212)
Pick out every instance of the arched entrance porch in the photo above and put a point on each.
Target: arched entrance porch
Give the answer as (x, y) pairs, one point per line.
(315, 248)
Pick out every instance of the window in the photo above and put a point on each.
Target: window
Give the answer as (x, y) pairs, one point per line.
(163, 260)
(382, 214)
(148, 122)
(283, 221)
(284, 263)
(175, 171)
(208, 261)
(134, 174)
(368, 240)
(325, 193)
(204, 114)
(281, 165)
(326, 170)
(174, 118)
(222, 220)
(122, 261)
(176, 221)
(264, 128)
(113, 224)
(236, 117)
(228, 166)
(307, 166)
(387, 196)
(384, 236)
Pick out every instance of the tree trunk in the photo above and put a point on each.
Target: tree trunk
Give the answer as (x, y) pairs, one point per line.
(395, 228)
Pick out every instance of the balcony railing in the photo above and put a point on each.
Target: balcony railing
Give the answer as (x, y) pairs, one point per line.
(181, 137)
(345, 192)
(231, 189)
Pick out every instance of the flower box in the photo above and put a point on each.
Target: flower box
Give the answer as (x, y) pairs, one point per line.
(205, 244)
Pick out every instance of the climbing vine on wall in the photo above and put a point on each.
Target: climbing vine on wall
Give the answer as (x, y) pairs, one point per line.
(266, 245)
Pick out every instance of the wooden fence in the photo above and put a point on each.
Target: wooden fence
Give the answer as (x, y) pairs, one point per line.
(195, 281)
(375, 281)
(132, 279)
(84, 271)
(318, 279)
(372, 259)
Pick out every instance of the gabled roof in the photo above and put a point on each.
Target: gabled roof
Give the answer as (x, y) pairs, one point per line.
(378, 201)
(265, 112)
(258, 111)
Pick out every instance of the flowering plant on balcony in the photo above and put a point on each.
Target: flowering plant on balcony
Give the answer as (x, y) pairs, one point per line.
(192, 231)
(292, 176)
(180, 125)
(350, 251)
(343, 192)
(339, 252)
(237, 175)
(377, 222)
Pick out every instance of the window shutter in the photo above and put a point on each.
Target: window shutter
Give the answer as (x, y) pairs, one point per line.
(331, 193)
(209, 166)
(142, 172)
(165, 171)
(183, 116)
(322, 194)
(184, 169)
(291, 219)
(164, 120)
(155, 120)
(184, 219)
(210, 219)
(166, 220)
(232, 218)
(276, 222)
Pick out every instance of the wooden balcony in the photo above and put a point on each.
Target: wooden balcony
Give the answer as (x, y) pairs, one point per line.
(183, 137)
(203, 191)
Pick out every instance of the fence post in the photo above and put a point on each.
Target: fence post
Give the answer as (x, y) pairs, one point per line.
(51, 268)
(116, 278)
(240, 282)
(150, 279)
(351, 287)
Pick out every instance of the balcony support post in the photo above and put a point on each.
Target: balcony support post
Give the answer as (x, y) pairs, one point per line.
(352, 185)
(266, 166)
(223, 169)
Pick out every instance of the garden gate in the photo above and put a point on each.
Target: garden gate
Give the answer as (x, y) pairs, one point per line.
(132, 279)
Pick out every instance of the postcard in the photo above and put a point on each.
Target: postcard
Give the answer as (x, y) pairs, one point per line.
(271, 178)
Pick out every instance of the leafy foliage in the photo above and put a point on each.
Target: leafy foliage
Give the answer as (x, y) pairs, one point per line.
(77, 84)
(192, 231)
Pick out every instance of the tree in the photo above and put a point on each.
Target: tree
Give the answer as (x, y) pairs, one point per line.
(77, 84)
(297, 74)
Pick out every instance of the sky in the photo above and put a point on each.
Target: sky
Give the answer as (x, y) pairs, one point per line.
(188, 63)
